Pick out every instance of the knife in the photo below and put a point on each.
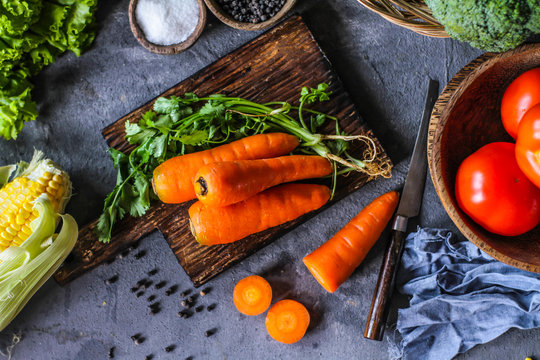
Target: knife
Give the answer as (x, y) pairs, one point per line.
(409, 206)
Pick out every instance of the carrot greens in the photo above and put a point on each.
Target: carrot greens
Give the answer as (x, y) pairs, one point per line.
(181, 125)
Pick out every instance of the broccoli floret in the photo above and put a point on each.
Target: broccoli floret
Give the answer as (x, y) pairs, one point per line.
(491, 25)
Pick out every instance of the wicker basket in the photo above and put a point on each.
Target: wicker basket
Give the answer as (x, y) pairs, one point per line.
(411, 14)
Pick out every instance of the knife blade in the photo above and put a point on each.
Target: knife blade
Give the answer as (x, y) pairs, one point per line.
(409, 206)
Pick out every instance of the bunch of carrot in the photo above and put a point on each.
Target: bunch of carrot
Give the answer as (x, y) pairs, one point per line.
(238, 186)
(240, 191)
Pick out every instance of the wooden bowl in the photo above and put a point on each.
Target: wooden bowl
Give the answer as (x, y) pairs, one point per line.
(222, 15)
(166, 49)
(465, 118)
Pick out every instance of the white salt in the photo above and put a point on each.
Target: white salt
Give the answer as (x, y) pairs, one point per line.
(167, 22)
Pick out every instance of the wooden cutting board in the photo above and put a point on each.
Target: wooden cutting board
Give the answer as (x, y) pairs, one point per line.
(274, 66)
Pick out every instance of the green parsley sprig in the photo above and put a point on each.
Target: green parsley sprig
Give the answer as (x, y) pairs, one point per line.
(181, 125)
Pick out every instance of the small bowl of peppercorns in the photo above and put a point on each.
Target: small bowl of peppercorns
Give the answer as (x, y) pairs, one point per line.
(250, 14)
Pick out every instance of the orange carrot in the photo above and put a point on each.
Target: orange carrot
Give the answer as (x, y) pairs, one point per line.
(226, 183)
(335, 260)
(287, 321)
(252, 295)
(173, 179)
(272, 207)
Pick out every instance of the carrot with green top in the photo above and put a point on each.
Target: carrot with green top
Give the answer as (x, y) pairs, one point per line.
(287, 321)
(220, 225)
(252, 295)
(173, 179)
(335, 260)
(226, 183)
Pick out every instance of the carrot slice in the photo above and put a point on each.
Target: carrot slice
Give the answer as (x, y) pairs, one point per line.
(287, 321)
(252, 295)
(173, 179)
(275, 206)
(335, 260)
(226, 183)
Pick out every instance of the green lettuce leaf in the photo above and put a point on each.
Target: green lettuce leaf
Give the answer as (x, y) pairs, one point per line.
(16, 16)
(33, 33)
(16, 105)
(80, 25)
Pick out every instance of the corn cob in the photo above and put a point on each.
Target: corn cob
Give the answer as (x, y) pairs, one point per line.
(40, 176)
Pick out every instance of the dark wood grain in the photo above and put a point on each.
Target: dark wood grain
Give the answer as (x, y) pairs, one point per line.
(378, 312)
(465, 118)
(273, 66)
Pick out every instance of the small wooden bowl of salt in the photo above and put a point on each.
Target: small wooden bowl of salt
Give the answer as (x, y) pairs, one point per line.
(167, 26)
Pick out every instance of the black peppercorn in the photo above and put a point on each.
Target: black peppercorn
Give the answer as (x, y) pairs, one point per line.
(153, 272)
(111, 280)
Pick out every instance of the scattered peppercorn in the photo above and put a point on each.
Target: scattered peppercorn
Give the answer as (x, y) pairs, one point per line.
(160, 284)
(147, 284)
(152, 272)
(192, 299)
(251, 11)
(111, 353)
(149, 357)
(134, 289)
(136, 336)
(151, 298)
(140, 254)
(184, 314)
(185, 304)
(140, 293)
(205, 291)
(155, 311)
(185, 293)
(211, 307)
(189, 358)
(111, 280)
(139, 340)
(171, 290)
(154, 305)
(199, 308)
(142, 281)
(210, 332)
(170, 348)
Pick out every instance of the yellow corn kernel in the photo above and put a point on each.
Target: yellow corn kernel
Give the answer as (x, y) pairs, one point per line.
(20, 219)
(28, 207)
(26, 230)
(16, 227)
(51, 191)
(17, 198)
(53, 184)
(5, 235)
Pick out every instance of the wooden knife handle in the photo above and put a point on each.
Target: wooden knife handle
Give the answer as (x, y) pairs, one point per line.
(385, 286)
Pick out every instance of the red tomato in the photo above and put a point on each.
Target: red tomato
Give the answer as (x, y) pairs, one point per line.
(495, 193)
(522, 94)
(528, 145)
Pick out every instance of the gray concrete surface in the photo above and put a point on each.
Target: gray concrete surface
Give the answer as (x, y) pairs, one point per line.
(384, 68)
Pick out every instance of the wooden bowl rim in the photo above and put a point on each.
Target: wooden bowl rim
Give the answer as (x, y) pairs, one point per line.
(216, 9)
(448, 98)
(166, 49)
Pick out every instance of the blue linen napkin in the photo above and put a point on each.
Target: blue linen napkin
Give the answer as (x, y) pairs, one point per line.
(461, 296)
